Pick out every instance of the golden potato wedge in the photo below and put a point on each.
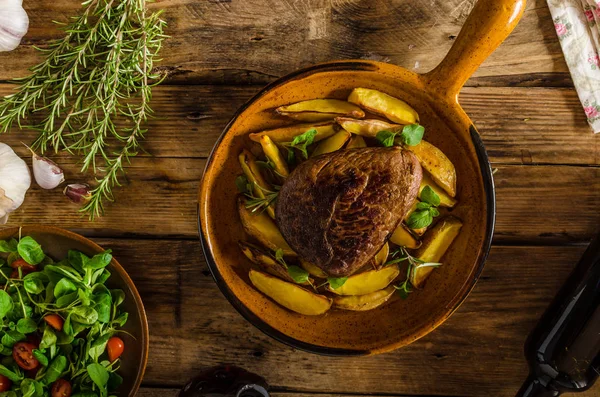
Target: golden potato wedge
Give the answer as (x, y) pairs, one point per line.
(435, 244)
(445, 199)
(287, 134)
(259, 226)
(367, 282)
(356, 142)
(403, 238)
(381, 257)
(272, 152)
(290, 296)
(418, 232)
(265, 261)
(378, 102)
(252, 172)
(439, 166)
(333, 143)
(364, 302)
(313, 270)
(368, 128)
(320, 109)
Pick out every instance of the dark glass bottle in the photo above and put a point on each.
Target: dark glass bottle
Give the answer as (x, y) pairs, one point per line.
(564, 349)
(226, 381)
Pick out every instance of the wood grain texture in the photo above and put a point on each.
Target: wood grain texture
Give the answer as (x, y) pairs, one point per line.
(518, 125)
(539, 204)
(255, 41)
(477, 352)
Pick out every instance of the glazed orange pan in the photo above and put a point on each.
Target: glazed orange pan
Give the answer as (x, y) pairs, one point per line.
(434, 96)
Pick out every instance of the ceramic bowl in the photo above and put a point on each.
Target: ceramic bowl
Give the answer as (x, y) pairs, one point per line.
(56, 243)
(434, 96)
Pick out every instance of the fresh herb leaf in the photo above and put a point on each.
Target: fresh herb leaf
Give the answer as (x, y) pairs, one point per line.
(102, 307)
(114, 381)
(98, 347)
(41, 357)
(336, 282)
(419, 219)
(404, 289)
(48, 338)
(30, 250)
(279, 256)
(99, 261)
(118, 296)
(64, 287)
(423, 206)
(429, 196)
(34, 282)
(84, 315)
(8, 246)
(6, 303)
(299, 275)
(10, 374)
(26, 326)
(98, 374)
(78, 260)
(11, 337)
(412, 134)
(386, 138)
(55, 370)
(242, 184)
(301, 142)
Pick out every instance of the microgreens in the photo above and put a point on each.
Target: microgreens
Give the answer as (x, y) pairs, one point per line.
(411, 135)
(426, 209)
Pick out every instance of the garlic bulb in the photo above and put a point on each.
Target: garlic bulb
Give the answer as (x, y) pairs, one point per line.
(46, 172)
(14, 181)
(13, 24)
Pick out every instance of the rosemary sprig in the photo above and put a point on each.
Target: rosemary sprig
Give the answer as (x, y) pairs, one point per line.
(414, 263)
(253, 202)
(90, 96)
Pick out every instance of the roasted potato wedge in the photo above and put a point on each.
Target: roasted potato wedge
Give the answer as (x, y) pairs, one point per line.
(320, 109)
(445, 199)
(435, 244)
(287, 134)
(356, 142)
(378, 102)
(259, 226)
(272, 152)
(381, 257)
(439, 166)
(403, 238)
(290, 296)
(368, 282)
(252, 172)
(368, 128)
(364, 302)
(313, 270)
(265, 261)
(333, 143)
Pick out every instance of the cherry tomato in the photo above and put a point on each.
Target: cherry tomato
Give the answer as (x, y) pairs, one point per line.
(26, 268)
(23, 355)
(55, 321)
(5, 383)
(61, 388)
(115, 347)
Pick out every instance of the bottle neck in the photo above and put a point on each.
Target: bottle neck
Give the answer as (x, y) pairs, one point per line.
(533, 388)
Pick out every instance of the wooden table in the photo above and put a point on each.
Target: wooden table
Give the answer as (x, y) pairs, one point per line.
(221, 52)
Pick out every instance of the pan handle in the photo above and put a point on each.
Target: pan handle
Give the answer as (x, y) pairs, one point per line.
(490, 22)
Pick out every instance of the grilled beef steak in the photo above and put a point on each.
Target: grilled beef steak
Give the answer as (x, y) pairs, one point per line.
(337, 210)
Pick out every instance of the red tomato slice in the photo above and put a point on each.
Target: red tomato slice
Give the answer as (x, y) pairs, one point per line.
(55, 321)
(5, 383)
(23, 355)
(61, 388)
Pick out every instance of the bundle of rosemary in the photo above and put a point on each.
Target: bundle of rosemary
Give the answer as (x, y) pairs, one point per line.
(90, 96)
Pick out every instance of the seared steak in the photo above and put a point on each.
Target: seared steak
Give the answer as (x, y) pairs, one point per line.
(338, 209)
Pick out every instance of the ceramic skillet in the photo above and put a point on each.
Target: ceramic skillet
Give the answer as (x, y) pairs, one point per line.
(434, 95)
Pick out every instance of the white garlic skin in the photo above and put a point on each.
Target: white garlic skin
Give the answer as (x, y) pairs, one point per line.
(14, 24)
(15, 180)
(47, 174)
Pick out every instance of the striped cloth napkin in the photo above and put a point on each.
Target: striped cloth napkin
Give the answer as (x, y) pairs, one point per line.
(577, 24)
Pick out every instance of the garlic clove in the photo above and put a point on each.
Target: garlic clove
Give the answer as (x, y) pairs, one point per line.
(78, 193)
(46, 172)
(15, 180)
(14, 24)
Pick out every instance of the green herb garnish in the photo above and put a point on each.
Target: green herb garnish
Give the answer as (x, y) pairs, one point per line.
(298, 274)
(426, 209)
(253, 202)
(336, 282)
(401, 255)
(411, 135)
(300, 142)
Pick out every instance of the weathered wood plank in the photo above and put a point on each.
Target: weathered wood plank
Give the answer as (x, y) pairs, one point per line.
(542, 204)
(518, 125)
(255, 41)
(163, 392)
(477, 352)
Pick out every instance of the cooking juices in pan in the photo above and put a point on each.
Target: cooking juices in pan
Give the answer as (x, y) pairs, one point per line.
(346, 207)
